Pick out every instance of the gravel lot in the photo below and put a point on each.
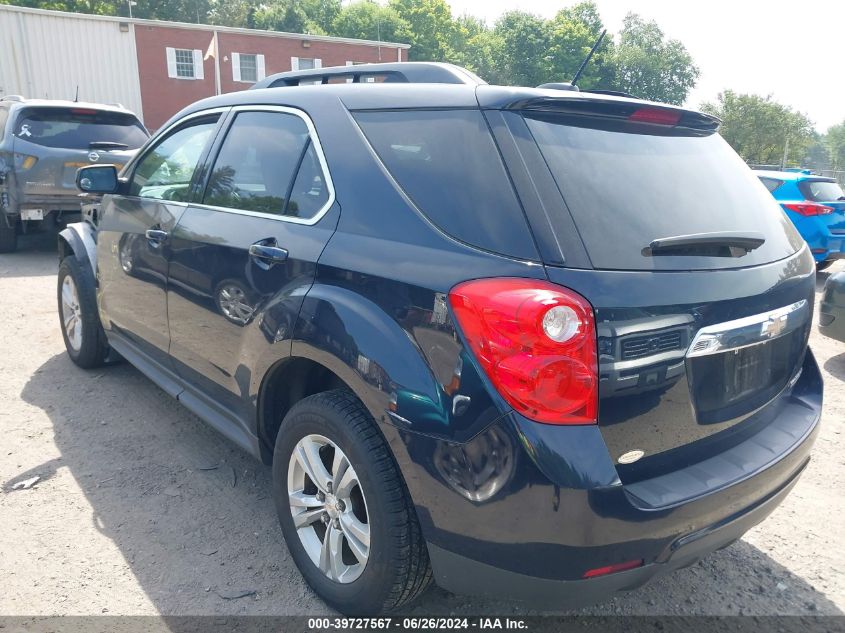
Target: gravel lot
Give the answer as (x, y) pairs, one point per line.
(141, 509)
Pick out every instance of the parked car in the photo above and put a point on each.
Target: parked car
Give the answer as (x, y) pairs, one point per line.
(447, 285)
(42, 144)
(832, 307)
(816, 206)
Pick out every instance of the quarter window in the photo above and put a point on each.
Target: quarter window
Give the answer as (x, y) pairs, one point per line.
(771, 183)
(256, 165)
(166, 171)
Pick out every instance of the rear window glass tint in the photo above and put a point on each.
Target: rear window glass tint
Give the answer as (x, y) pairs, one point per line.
(257, 161)
(77, 128)
(771, 183)
(626, 189)
(448, 165)
(821, 190)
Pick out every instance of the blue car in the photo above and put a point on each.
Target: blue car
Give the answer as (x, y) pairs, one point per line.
(816, 206)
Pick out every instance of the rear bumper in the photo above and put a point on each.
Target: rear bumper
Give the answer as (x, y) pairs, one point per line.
(61, 201)
(463, 575)
(557, 508)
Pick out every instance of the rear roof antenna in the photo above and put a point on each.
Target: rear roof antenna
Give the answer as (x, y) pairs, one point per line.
(76, 98)
(587, 59)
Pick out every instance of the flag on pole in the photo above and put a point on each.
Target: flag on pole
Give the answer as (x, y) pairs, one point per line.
(212, 49)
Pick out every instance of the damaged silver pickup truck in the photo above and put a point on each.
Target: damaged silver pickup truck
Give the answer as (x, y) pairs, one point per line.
(42, 144)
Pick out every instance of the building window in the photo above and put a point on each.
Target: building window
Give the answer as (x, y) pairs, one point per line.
(305, 63)
(247, 67)
(249, 70)
(184, 63)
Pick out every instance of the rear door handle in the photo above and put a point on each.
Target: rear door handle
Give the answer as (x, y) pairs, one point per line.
(156, 235)
(266, 255)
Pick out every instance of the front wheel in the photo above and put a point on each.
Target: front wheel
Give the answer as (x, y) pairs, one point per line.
(345, 513)
(83, 334)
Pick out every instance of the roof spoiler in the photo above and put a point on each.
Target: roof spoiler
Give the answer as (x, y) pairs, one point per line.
(398, 72)
(611, 107)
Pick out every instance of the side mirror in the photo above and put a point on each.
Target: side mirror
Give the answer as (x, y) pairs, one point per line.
(97, 179)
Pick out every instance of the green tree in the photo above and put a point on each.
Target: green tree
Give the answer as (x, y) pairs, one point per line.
(522, 46)
(368, 20)
(758, 128)
(238, 13)
(476, 48)
(100, 7)
(573, 32)
(834, 142)
(431, 27)
(650, 66)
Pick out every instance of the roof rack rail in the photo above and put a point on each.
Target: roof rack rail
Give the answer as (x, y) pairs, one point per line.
(12, 98)
(397, 72)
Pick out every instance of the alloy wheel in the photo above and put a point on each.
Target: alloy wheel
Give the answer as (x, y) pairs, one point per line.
(71, 313)
(328, 508)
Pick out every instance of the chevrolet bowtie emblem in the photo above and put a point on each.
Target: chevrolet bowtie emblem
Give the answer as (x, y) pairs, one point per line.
(773, 327)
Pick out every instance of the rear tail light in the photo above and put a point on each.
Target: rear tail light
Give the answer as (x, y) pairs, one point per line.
(537, 344)
(808, 208)
(656, 116)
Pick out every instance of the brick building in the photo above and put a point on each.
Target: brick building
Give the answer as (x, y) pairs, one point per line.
(156, 68)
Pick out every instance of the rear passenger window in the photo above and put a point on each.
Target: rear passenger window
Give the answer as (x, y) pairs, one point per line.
(448, 165)
(256, 165)
(771, 183)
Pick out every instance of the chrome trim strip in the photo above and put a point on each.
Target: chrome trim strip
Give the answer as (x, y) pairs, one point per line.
(750, 330)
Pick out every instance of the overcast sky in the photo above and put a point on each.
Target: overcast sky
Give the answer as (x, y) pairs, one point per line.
(792, 50)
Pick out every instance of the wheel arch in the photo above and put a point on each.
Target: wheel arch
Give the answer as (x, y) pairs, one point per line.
(287, 382)
(78, 239)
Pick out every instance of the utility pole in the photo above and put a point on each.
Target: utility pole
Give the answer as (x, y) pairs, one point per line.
(131, 4)
(785, 153)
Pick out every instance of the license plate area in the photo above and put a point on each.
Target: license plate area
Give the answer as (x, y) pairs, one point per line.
(737, 382)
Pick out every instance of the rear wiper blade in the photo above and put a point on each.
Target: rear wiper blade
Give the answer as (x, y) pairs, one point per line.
(716, 244)
(107, 145)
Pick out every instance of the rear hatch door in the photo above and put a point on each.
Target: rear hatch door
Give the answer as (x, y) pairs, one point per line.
(702, 288)
(52, 143)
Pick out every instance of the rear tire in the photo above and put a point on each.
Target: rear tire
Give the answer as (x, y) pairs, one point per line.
(85, 340)
(825, 264)
(396, 568)
(8, 237)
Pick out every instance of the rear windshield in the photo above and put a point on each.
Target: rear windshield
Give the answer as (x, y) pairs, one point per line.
(447, 164)
(821, 190)
(77, 128)
(626, 187)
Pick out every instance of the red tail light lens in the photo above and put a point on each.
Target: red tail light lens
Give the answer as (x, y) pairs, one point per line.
(656, 116)
(809, 208)
(537, 344)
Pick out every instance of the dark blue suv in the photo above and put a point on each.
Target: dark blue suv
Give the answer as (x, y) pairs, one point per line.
(537, 343)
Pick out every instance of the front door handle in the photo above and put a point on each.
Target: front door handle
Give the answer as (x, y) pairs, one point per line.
(266, 255)
(156, 235)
